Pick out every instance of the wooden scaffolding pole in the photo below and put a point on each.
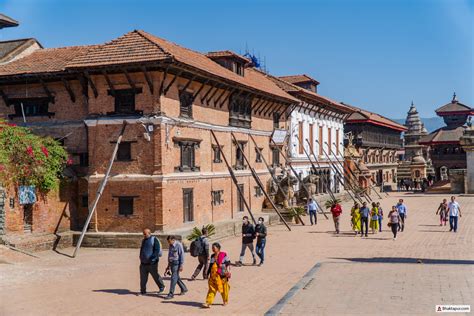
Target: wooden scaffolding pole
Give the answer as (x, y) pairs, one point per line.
(258, 181)
(100, 190)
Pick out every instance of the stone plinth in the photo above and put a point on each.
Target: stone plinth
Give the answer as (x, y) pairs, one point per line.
(467, 143)
(456, 178)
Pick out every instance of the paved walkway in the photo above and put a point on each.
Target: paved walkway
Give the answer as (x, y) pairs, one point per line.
(105, 281)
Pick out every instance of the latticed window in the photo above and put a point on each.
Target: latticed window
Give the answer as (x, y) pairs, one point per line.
(240, 111)
(186, 104)
(217, 197)
(31, 107)
(125, 100)
(187, 155)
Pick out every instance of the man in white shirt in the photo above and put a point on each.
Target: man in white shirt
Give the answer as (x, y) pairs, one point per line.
(454, 212)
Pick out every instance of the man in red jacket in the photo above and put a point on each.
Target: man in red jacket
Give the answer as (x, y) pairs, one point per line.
(336, 211)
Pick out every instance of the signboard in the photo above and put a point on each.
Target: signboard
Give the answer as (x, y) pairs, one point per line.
(279, 136)
(27, 194)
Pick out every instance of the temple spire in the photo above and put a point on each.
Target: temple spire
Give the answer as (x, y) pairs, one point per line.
(455, 99)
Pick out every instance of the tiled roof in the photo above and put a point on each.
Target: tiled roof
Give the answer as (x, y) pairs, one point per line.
(10, 49)
(443, 135)
(43, 61)
(6, 21)
(296, 90)
(299, 78)
(454, 106)
(130, 48)
(359, 115)
(227, 53)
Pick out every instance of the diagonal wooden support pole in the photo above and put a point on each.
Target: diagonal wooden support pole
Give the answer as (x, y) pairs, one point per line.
(259, 182)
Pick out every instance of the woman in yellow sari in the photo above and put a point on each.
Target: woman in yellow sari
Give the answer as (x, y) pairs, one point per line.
(219, 275)
(374, 218)
(355, 218)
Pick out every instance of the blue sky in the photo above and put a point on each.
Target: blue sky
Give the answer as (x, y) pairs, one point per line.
(379, 54)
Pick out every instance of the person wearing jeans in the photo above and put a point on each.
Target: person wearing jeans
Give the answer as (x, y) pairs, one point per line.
(394, 219)
(403, 212)
(248, 235)
(150, 253)
(175, 266)
(454, 211)
(380, 218)
(336, 211)
(312, 208)
(364, 219)
(261, 232)
(203, 258)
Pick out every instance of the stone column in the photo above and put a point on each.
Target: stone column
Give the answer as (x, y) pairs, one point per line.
(467, 143)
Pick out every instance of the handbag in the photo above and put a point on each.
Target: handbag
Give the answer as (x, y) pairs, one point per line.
(389, 224)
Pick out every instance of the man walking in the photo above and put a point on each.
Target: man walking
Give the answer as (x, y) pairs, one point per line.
(175, 266)
(261, 232)
(150, 253)
(336, 211)
(312, 209)
(403, 212)
(454, 211)
(364, 219)
(248, 235)
(203, 257)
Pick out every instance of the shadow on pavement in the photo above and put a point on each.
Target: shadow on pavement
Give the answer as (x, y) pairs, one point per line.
(117, 291)
(62, 253)
(407, 260)
(184, 303)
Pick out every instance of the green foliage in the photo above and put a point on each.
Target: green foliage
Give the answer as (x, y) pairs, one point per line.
(295, 211)
(330, 203)
(196, 233)
(28, 159)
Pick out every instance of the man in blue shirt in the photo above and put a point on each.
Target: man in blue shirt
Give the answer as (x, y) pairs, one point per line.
(312, 209)
(150, 253)
(403, 212)
(364, 219)
(175, 265)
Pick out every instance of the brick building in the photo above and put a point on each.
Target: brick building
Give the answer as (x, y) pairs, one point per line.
(169, 172)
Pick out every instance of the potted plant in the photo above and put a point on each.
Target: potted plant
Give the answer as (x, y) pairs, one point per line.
(197, 232)
(296, 212)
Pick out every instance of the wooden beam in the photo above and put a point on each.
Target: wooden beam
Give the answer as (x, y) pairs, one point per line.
(257, 104)
(212, 95)
(109, 82)
(226, 98)
(188, 83)
(69, 90)
(200, 89)
(269, 109)
(292, 108)
(46, 90)
(206, 94)
(279, 109)
(265, 102)
(129, 79)
(148, 79)
(83, 81)
(4, 97)
(219, 97)
(93, 87)
(270, 105)
(163, 81)
(165, 91)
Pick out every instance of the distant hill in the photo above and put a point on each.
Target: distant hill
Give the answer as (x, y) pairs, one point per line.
(431, 123)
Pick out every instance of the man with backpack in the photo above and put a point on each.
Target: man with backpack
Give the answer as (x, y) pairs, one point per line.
(200, 249)
(248, 235)
(150, 253)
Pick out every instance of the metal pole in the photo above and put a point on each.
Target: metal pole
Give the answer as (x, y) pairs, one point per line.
(100, 190)
(234, 178)
(288, 163)
(259, 182)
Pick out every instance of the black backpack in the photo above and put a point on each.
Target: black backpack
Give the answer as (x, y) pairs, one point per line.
(197, 247)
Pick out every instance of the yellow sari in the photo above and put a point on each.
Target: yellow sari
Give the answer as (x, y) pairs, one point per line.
(374, 222)
(355, 214)
(217, 283)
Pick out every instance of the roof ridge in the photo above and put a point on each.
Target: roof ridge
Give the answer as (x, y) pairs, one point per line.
(147, 36)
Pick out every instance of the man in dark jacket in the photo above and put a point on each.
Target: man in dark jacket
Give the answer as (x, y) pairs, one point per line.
(203, 257)
(248, 235)
(261, 232)
(150, 253)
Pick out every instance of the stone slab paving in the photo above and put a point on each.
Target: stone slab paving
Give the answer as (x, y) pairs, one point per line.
(105, 281)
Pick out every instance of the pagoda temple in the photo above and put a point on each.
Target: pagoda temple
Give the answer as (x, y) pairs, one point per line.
(445, 149)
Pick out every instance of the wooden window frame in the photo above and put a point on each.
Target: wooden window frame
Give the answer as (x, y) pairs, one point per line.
(217, 154)
(321, 140)
(258, 156)
(127, 157)
(300, 138)
(188, 218)
(185, 104)
(125, 199)
(329, 141)
(40, 104)
(185, 146)
(216, 196)
(311, 137)
(117, 93)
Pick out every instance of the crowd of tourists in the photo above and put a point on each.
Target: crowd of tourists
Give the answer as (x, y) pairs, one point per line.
(212, 261)
(415, 184)
(215, 263)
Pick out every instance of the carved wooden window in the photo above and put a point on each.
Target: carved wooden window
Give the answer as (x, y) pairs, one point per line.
(240, 111)
(31, 107)
(217, 197)
(187, 155)
(125, 205)
(239, 157)
(125, 100)
(258, 156)
(276, 120)
(185, 104)
(275, 157)
(217, 154)
(124, 152)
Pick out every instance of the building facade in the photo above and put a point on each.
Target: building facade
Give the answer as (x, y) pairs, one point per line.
(377, 140)
(169, 172)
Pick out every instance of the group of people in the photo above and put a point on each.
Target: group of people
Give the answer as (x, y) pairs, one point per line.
(409, 184)
(451, 210)
(215, 266)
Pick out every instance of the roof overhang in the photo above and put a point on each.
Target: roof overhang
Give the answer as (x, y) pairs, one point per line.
(376, 123)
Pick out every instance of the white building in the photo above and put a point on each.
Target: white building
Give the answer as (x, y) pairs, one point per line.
(318, 123)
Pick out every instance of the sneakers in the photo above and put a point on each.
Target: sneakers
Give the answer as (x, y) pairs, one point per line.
(238, 263)
(169, 297)
(161, 290)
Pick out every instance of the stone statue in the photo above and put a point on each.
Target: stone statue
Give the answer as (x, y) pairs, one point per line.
(310, 182)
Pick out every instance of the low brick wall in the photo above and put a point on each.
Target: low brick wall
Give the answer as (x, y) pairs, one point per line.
(38, 242)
